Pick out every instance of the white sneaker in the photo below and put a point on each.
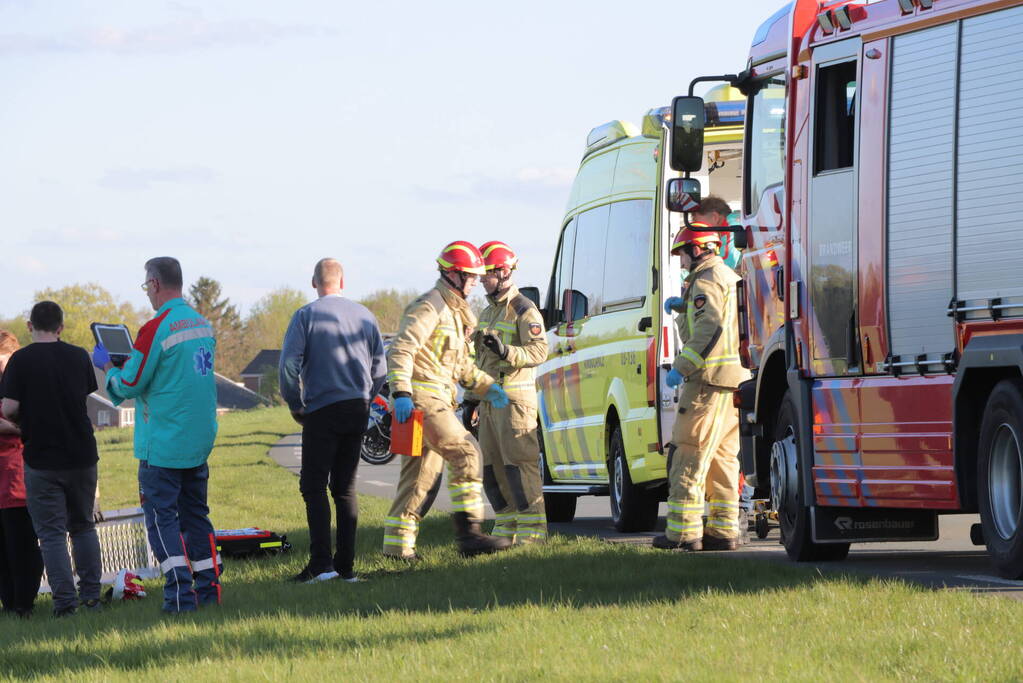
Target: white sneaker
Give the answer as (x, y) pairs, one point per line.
(325, 576)
(353, 578)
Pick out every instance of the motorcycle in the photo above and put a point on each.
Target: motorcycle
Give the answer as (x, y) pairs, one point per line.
(376, 443)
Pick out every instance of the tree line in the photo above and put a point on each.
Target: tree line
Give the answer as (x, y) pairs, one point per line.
(239, 338)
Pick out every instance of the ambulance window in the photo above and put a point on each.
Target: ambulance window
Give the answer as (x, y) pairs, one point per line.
(627, 256)
(590, 247)
(835, 126)
(563, 275)
(766, 158)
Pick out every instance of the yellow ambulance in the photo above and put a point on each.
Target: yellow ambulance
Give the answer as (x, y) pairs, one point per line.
(605, 412)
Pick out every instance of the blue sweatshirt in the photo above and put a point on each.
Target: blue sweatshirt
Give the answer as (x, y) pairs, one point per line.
(332, 352)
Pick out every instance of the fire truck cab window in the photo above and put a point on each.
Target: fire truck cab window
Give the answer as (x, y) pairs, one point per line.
(835, 127)
(766, 160)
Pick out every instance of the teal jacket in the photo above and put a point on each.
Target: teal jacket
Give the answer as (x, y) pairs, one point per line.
(170, 376)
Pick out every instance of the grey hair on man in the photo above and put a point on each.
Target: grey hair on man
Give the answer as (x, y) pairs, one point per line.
(166, 270)
(328, 275)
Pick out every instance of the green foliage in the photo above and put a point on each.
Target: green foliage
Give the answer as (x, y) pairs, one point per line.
(233, 351)
(268, 320)
(388, 305)
(18, 328)
(88, 303)
(270, 386)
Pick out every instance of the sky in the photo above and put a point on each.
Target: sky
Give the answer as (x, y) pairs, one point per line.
(250, 138)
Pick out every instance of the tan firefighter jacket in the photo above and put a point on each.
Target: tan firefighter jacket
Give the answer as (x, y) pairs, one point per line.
(430, 352)
(708, 327)
(515, 320)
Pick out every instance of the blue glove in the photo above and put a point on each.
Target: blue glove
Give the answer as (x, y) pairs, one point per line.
(673, 304)
(403, 409)
(496, 396)
(100, 357)
(674, 378)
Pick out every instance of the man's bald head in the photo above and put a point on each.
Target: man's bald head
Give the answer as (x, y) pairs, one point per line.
(328, 276)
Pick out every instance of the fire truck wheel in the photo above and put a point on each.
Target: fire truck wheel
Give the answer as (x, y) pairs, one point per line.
(633, 508)
(559, 507)
(793, 513)
(1000, 477)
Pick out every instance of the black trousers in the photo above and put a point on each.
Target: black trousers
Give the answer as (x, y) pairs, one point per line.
(331, 439)
(21, 563)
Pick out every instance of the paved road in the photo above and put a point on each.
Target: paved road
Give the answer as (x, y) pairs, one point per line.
(952, 561)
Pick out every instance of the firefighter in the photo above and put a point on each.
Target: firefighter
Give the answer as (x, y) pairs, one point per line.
(714, 211)
(428, 355)
(703, 459)
(509, 343)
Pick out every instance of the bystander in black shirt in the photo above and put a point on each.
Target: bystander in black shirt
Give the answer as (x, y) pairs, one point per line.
(51, 381)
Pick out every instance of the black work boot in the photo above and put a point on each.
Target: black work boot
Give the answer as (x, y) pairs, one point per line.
(472, 541)
(662, 542)
(718, 543)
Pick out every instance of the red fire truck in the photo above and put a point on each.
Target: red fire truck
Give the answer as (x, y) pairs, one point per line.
(883, 286)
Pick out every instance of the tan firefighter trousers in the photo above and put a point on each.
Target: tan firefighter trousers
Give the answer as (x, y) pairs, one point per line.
(511, 471)
(704, 465)
(444, 438)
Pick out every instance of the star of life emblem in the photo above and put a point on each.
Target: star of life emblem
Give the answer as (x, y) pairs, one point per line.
(203, 361)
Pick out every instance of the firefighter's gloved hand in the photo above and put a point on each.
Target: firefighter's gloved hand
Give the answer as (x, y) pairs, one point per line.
(674, 378)
(496, 396)
(492, 342)
(100, 357)
(673, 304)
(403, 408)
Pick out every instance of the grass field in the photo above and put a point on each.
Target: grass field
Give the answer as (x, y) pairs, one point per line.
(576, 608)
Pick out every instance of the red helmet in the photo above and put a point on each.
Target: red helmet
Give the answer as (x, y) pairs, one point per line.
(461, 256)
(498, 255)
(695, 236)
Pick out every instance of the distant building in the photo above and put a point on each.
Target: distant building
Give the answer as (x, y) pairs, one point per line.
(103, 413)
(234, 396)
(252, 375)
(102, 410)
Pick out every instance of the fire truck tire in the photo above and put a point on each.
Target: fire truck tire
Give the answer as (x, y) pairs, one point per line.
(633, 508)
(1000, 477)
(794, 514)
(558, 507)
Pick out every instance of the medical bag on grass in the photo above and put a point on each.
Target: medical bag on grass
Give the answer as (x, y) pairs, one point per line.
(249, 542)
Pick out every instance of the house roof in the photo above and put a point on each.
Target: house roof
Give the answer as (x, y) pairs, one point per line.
(257, 366)
(229, 394)
(235, 396)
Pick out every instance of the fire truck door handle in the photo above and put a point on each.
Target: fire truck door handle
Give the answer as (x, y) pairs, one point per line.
(779, 282)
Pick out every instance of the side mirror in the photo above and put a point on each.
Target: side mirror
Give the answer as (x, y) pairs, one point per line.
(682, 194)
(531, 293)
(688, 118)
(574, 304)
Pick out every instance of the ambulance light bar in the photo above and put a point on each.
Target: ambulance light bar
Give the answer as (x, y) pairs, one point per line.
(654, 120)
(608, 134)
(725, 113)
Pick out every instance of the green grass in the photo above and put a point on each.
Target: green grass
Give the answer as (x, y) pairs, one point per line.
(576, 608)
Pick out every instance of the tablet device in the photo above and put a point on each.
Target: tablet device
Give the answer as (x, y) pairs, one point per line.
(116, 339)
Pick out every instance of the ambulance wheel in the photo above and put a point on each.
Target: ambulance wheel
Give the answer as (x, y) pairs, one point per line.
(633, 508)
(1000, 477)
(559, 507)
(763, 527)
(787, 497)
